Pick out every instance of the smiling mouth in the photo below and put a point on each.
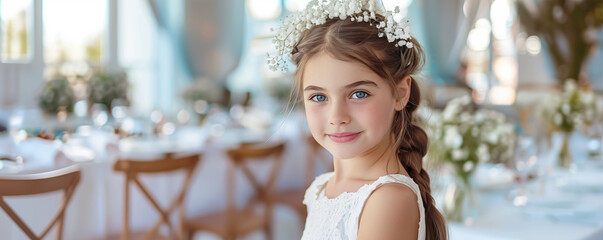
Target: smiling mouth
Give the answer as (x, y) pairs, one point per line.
(343, 137)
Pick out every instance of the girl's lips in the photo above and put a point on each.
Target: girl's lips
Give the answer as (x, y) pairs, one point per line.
(343, 137)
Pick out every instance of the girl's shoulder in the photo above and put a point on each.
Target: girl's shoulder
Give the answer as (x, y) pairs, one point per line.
(394, 181)
(393, 199)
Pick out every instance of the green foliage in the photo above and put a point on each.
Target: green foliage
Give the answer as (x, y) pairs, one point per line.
(57, 93)
(106, 87)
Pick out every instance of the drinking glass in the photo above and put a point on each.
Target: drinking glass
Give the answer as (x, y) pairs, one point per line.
(100, 116)
(525, 159)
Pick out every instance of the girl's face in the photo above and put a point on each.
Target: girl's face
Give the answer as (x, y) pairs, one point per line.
(349, 108)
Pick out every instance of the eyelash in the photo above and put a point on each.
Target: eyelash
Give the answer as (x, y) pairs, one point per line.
(313, 97)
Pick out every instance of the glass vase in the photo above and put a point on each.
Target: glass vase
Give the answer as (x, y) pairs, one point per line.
(460, 201)
(565, 155)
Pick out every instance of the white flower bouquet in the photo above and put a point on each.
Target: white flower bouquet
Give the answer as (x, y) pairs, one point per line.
(461, 137)
(573, 108)
(464, 137)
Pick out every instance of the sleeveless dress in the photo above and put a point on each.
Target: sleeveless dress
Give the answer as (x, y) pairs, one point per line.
(338, 218)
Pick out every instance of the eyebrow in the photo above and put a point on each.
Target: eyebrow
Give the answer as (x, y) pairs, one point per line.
(351, 85)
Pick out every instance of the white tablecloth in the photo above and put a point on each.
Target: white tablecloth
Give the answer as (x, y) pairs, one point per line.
(567, 205)
(96, 207)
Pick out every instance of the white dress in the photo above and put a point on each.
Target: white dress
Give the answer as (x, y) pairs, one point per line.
(337, 218)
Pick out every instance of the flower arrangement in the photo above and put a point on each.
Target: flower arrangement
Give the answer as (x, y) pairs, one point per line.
(574, 107)
(464, 137)
(461, 137)
(317, 12)
(105, 87)
(57, 93)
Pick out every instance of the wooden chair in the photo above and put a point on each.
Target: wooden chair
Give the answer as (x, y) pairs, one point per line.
(294, 197)
(65, 179)
(134, 168)
(233, 222)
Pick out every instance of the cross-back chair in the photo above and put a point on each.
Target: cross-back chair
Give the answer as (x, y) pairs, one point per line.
(135, 168)
(295, 196)
(233, 222)
(63, 179)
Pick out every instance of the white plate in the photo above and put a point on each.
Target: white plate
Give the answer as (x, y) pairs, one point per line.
(10, 163)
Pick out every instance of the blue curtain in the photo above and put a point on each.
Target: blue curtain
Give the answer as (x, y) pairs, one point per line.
(207, 35)
(443, 33)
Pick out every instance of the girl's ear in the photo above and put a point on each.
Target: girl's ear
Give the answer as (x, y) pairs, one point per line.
(402, 93)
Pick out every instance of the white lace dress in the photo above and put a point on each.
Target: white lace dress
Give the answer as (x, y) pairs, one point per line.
(337, 218)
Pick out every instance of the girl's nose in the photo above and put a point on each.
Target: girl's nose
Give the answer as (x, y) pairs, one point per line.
(338, 114)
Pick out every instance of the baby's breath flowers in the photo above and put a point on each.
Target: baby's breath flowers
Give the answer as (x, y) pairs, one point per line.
(573, 108)
(317, 12)
(464, 137)
(460, 138)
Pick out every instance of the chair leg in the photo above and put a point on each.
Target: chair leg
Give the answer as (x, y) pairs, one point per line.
(268, 232)
(188, 235)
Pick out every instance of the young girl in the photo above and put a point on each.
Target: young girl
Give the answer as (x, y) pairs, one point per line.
(354, 68)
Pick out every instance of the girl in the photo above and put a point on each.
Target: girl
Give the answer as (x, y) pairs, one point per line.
(354, 68)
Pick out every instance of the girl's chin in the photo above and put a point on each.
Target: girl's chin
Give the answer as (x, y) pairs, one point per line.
(342, 153)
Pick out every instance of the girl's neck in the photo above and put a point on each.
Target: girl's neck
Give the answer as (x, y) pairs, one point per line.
(379, 161)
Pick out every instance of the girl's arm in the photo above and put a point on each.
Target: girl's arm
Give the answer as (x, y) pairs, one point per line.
(391, 212)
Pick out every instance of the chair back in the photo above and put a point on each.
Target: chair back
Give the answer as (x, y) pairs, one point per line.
(315, 152)
(246, 153)
(63, 179)
(169, 163)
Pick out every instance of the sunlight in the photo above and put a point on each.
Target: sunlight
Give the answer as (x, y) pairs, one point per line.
(71, 25)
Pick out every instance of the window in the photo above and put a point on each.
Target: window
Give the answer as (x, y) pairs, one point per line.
(74, 32)
(16, 28)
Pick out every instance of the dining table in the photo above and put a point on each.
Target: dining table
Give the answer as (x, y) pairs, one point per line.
(563, 204)
(96, 208)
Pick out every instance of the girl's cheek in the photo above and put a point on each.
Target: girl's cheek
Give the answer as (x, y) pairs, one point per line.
(313, 115)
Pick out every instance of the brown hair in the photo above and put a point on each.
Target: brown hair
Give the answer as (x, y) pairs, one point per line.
(359, 42)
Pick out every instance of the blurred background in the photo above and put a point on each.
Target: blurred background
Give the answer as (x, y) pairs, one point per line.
(512, 102)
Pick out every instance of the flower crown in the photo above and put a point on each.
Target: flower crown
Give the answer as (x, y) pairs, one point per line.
(317, 12)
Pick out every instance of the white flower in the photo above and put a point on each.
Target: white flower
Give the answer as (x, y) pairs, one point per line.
(479, 117)
(565, 108)
(317, 12)
(468, 166)
(587, 98)
(493, 137)
(570, 85)
(482, 153)
(452, 138)
(459, 154)
(557, 119)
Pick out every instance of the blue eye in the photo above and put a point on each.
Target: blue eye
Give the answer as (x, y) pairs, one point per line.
(359, 94)
(318, 98)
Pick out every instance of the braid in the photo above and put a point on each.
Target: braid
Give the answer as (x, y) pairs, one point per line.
(412, 149)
